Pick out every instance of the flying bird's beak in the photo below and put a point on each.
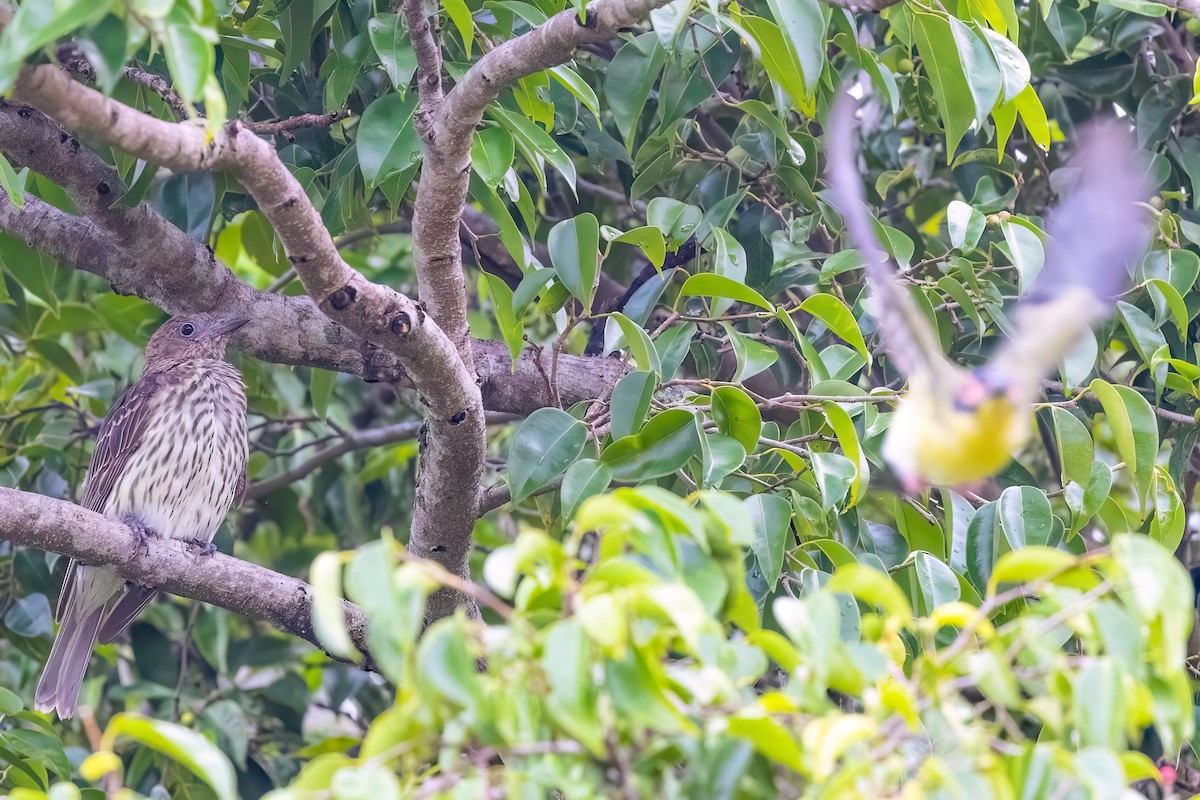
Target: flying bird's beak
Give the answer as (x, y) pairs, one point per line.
(228, 326)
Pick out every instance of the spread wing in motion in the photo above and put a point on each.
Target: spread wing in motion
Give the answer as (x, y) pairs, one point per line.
(956, 426)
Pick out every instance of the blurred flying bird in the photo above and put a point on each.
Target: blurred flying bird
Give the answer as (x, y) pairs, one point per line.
(955, 426)
(169, 461)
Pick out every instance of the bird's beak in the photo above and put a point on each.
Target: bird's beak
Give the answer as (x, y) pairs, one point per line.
(229, 326)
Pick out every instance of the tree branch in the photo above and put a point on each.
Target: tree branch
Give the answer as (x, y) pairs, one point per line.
(348, 443)
(446, 502)
(140, 253)
(447, 133)
(284, 127)
(57, 526)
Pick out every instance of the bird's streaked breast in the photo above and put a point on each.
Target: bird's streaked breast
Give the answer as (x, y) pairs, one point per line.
(181, 479)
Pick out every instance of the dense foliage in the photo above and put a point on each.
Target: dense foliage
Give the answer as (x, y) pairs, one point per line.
(706, 584)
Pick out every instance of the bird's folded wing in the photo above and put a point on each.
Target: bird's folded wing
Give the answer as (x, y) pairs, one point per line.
(911, 342)
(1095, 237)
(119, 437)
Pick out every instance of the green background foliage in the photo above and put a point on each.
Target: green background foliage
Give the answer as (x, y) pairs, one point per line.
(707, 584)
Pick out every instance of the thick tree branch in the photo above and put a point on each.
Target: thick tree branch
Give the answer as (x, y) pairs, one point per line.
(452, 460)
(57, 526)
(446, 165)
(141, 253)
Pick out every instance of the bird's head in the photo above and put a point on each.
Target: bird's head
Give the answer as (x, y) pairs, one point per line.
(191, 337)
(950, 437)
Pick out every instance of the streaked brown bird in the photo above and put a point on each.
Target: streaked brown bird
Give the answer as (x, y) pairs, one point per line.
(169, 461)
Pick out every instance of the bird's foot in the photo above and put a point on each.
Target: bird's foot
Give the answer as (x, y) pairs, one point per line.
(144, 532)
(199, 547)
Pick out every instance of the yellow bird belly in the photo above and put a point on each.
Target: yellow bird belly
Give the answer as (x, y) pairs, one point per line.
(942, 445)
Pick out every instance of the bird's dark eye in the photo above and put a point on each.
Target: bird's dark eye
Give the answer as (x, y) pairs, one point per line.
(187, 329)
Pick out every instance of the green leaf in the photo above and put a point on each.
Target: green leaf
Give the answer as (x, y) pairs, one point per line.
(190, 56)
(1025, 251)
(10, 704)
(1076, 451)
(186, 747)
(802, 22)
(770, 518)
(1147, 339)
(835, 476)
(847, 436)
(13, 182)
(512, 324)
(444, 663)
(585, 478)
(871, 586)
(388, 142)
(630, 402)
(492, 152)
(35, 25)
(320, 389)
(1031, 563)
(460, 15)
(1135, 430)
(574, 249)
(720, 456)
(1025, 517)
(1014, 68)
(577, 86)
(533, 141)
(647, 237)
(329, 620)
(769, 738)
(737, 416)
(628, 80)
(936, 42)
(833, 312)
(778, 59)
(938, 583)
(707, 284)
(752, 356)
(678, 221)
(965, 224)
(389, 37)
(548, 441)
(298, 23)
(1166, 296)
(662, 446)
(979, 66)
(645, 355)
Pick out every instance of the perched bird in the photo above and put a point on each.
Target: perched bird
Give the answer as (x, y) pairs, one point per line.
(956, 426)
(169, 461)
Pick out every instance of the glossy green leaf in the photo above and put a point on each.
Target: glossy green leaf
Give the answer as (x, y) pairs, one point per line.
(752, 356)
(663, 445)
(388, 142)
(737, 416)
(707, 284)
(511, 324)
(834, 313)
(389, 37)
(630, 401)
(548, 441)
(645, 355)
(770, 518)
(583, 479)
(1134, 428)
(575, 250)
(183, 746)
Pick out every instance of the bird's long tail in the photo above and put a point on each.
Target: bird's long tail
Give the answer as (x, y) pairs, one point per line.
(63, 676)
